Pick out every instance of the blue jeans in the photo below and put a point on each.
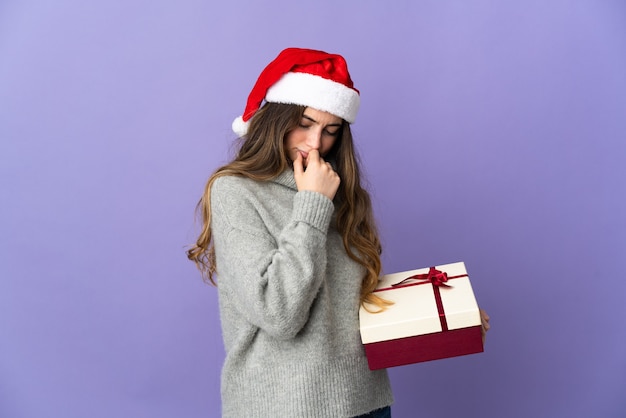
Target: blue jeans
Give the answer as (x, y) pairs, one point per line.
(379, 413)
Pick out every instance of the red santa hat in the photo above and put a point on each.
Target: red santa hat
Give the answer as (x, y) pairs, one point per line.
(304, 77)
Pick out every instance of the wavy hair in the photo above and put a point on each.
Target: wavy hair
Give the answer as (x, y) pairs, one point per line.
(262, 156)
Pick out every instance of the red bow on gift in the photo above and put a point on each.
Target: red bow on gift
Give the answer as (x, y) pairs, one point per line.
(436, 277)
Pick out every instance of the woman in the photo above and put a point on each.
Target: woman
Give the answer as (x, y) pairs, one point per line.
(289, 230)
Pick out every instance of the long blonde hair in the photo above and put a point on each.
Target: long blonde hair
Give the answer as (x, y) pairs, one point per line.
(262, 156)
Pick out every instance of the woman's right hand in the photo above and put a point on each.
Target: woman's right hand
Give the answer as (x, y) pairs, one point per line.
(319, 175)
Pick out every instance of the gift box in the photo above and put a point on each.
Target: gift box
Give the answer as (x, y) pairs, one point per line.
(434, 316)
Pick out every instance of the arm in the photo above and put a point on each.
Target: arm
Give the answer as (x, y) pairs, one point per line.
(272, 282)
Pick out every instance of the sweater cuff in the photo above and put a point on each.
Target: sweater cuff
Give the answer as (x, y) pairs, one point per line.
(313, 208)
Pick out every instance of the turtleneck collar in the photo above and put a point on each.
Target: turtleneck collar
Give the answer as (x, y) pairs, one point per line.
(286, 178)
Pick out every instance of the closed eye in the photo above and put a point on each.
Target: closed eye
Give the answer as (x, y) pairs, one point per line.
(328, 130)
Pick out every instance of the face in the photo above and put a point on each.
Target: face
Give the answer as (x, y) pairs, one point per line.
(317, 130)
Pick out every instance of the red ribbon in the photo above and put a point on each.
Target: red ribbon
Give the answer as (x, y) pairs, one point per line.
(438, 279)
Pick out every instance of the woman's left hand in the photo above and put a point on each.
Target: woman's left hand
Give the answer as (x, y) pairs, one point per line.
(484, 319)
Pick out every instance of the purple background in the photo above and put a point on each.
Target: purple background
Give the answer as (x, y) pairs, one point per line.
(491, 132)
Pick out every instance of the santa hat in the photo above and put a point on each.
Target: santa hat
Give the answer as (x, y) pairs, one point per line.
(304, 77)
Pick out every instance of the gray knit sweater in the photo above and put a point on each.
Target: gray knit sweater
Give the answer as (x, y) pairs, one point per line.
(289, 299)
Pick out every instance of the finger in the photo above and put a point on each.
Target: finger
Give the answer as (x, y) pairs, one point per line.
(298, 169)
(483, 331)
(314, 156)
(484, 315)
(485, 325)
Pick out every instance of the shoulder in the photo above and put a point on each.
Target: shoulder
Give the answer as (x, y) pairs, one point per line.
(240, 187)
(233, 190)
(239, 202)
(231, 183)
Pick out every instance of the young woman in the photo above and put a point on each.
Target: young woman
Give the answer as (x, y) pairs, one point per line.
(289, 231)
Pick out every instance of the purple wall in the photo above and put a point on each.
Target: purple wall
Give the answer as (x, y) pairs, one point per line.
(491, 133)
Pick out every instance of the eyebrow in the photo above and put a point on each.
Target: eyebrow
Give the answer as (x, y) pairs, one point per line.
(314, 121)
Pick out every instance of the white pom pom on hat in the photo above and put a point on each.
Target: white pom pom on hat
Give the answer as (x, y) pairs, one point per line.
(304, 77)
(239, 126)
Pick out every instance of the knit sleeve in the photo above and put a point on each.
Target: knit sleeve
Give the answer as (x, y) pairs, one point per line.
(272, 281)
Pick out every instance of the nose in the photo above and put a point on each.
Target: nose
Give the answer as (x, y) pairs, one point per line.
(314, 139)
